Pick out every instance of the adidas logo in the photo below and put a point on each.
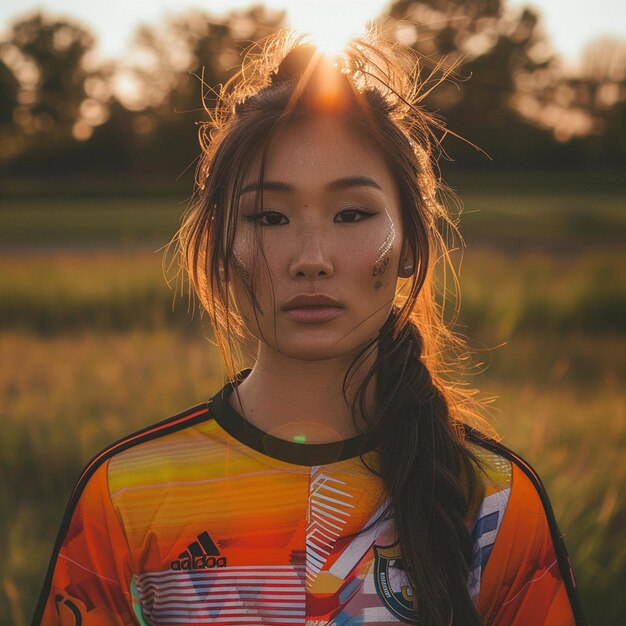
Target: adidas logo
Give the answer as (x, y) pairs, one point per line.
(201, 554)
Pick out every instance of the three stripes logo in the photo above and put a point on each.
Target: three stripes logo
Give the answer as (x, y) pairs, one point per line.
(201, 554)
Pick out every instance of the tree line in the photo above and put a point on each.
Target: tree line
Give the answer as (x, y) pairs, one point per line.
(61, 113)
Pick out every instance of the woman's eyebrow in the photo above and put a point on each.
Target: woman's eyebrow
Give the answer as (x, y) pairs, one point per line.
(353, 181)
(268, 185)
(335, 185)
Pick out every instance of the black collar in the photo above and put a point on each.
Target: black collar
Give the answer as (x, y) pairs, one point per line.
(289, 451)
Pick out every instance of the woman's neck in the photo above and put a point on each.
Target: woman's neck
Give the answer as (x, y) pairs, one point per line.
(300, 401)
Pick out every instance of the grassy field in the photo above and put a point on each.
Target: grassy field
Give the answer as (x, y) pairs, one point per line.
(92, 348)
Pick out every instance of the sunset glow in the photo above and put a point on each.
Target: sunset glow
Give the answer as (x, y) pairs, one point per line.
(331, 25)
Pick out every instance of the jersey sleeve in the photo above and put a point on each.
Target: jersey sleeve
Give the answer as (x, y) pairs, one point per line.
(528, 579)
(90, 577)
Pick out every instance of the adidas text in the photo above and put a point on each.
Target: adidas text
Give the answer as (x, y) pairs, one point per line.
(199, 562)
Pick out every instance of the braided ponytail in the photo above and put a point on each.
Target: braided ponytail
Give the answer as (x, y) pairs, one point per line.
(429, 475)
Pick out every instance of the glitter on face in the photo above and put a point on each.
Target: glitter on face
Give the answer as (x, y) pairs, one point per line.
(382, 262)
(307, 153)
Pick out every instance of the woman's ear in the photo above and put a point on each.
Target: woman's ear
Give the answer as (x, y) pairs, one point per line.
(407, 263)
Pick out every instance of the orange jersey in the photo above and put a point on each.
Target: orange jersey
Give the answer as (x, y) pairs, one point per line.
(204, 519)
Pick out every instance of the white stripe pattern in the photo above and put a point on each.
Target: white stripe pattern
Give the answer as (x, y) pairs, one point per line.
(327, 514)
(495, 504)
(230, 595)
(361, 544)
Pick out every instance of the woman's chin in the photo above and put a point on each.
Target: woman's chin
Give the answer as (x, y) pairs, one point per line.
(320, 350)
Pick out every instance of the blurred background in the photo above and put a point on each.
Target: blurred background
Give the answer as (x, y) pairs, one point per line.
(99, 104)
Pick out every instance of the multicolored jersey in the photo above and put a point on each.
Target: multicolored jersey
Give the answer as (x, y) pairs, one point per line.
(204, 519)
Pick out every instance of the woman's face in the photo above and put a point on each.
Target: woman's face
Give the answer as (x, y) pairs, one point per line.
(325, 246)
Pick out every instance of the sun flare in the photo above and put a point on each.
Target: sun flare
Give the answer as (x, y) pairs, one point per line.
(329, 24)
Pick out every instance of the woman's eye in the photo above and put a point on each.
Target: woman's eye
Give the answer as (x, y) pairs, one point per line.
(352, 215)
(268, 218)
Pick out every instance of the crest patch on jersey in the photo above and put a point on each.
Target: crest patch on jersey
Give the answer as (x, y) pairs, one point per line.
(392, 584)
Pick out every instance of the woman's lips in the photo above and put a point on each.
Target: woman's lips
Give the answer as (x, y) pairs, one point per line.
(313, 314)
(312, 308)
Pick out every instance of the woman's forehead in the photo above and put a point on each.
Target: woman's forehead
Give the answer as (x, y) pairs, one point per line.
(321, 149)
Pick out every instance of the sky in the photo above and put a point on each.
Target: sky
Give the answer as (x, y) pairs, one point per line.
(570, 24)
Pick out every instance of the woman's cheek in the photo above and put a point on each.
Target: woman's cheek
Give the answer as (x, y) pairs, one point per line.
(242, 264)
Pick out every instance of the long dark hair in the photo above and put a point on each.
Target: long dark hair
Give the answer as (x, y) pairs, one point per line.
(417, 423)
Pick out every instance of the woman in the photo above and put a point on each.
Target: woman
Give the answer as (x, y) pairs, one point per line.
(337, 481)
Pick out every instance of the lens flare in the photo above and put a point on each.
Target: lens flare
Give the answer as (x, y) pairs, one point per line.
(330, 40)
(329, 24)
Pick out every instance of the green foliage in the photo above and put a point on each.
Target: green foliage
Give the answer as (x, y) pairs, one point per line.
(8, 95)
(50, 221)
(508, 94)
(75, 291)
(55, 49)
(539, 292)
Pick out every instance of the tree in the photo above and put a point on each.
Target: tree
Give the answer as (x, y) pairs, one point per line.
(602, 85)
(178, 67)
(495, 51)
(9, 86)
(10, 141)
(49, 59)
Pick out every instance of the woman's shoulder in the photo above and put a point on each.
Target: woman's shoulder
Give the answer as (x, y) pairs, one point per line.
(160, 436)
(507, 483)
(514, 530)
(502, 469)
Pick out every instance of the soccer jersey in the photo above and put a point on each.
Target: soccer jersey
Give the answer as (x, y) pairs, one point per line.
(204, 519)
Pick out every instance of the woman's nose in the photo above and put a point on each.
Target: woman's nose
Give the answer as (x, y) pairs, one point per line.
(311, 258)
